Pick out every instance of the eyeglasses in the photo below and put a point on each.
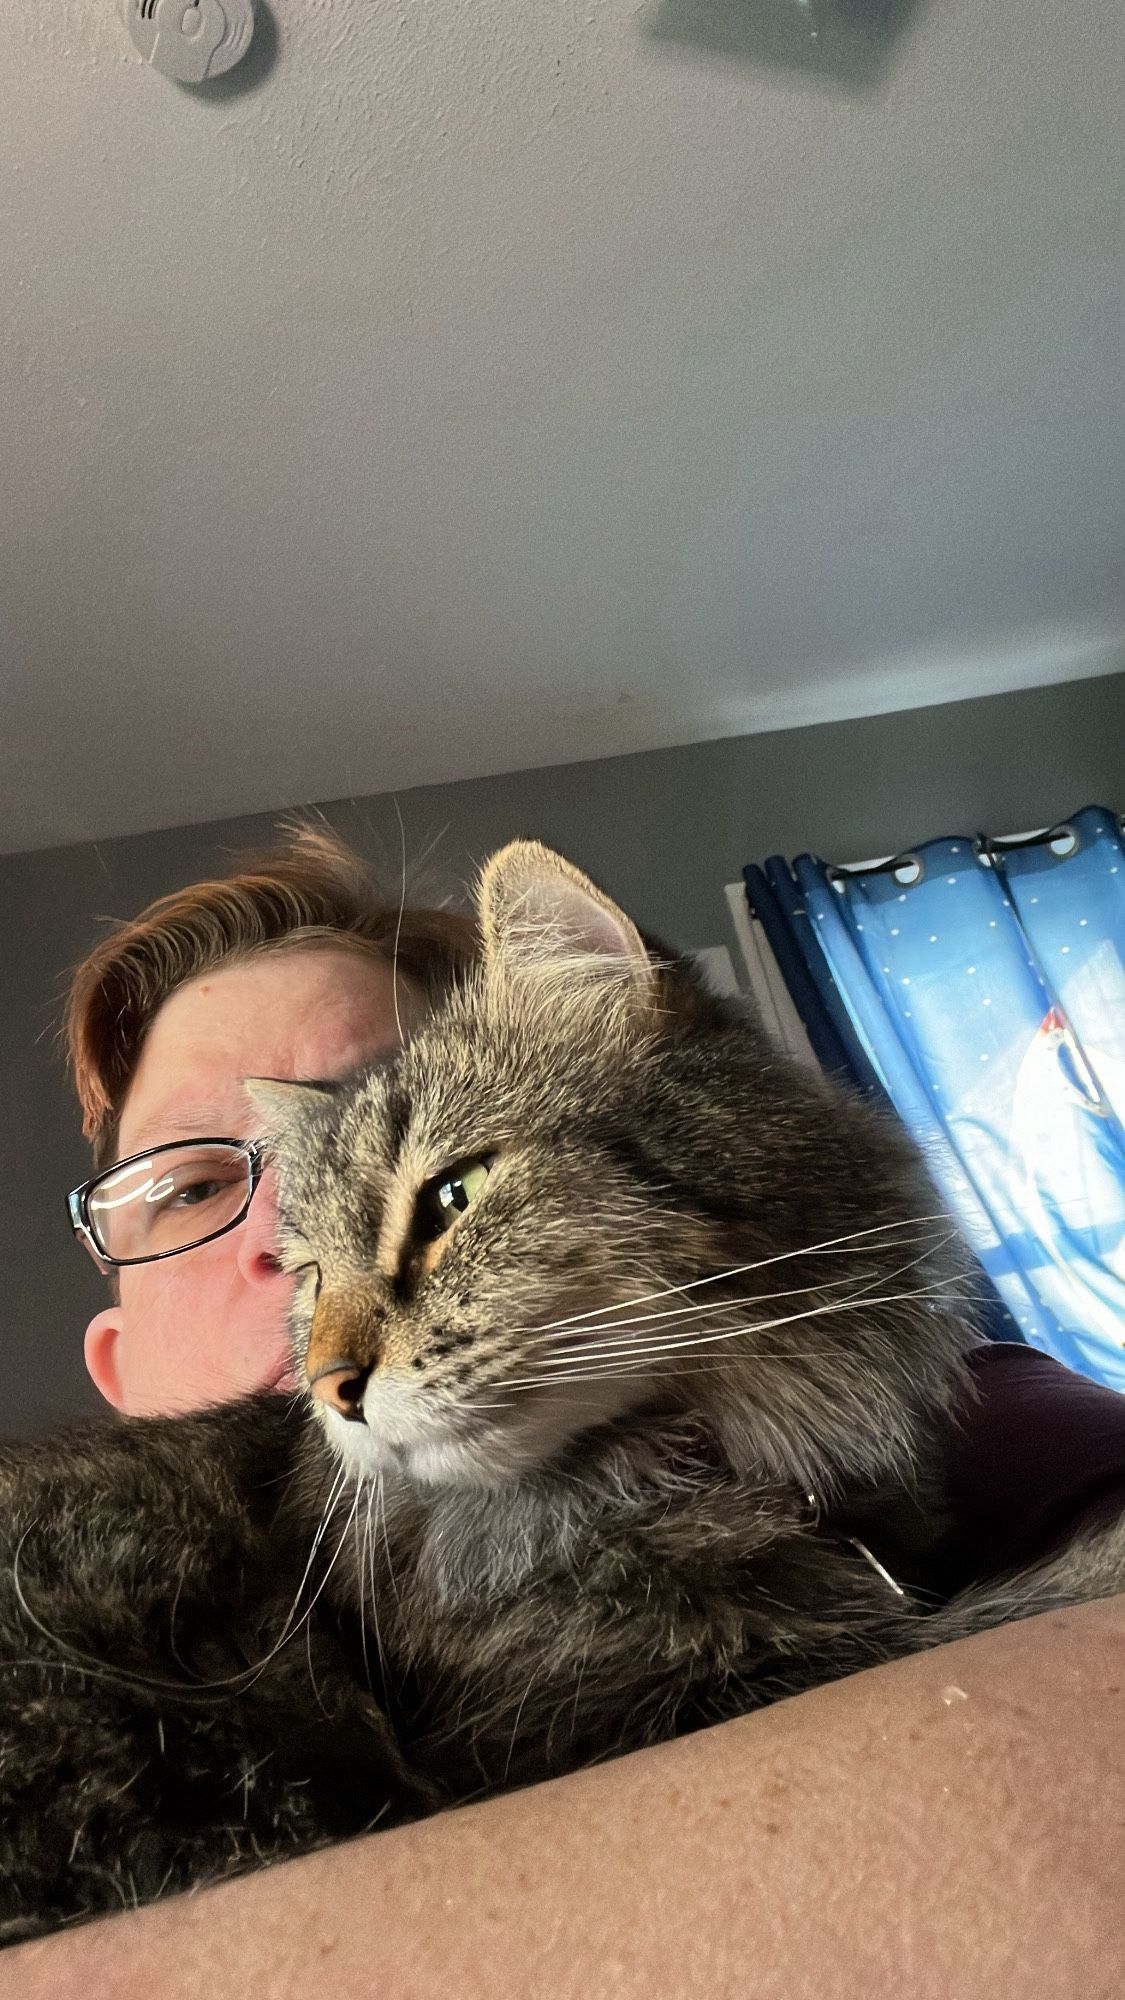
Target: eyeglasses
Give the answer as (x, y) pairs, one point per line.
(165, 1201)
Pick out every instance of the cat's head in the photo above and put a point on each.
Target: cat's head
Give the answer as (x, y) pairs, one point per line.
(583, 1187)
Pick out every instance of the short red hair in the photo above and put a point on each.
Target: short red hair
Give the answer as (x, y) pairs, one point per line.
(312, 887)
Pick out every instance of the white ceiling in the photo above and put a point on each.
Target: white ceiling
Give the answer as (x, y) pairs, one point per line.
(491, 384)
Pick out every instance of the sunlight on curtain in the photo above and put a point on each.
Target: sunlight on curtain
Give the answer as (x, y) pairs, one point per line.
(984, 983)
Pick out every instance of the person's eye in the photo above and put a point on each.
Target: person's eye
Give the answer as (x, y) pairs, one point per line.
(177, 1191)
(449, 1194)
(195, 1193)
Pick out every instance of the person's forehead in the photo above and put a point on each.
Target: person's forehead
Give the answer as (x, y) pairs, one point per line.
(304, 1013)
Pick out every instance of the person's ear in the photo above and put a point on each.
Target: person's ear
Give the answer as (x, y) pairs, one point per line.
(100, 1345)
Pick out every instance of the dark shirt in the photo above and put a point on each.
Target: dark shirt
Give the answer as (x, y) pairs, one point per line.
(1033, 1455)
(1036, 1457)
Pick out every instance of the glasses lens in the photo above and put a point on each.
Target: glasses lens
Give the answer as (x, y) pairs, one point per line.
(170, 1201)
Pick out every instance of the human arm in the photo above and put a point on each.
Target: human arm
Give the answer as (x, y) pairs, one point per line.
(949, 1825)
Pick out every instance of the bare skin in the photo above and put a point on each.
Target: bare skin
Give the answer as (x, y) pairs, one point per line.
(212, 1324)
(945, 1828)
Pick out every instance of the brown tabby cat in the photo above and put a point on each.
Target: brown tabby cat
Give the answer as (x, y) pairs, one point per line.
(624, 1338)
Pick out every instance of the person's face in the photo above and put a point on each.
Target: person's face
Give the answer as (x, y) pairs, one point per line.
(211, 1324)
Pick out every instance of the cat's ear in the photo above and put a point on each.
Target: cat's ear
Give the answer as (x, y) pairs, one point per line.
(539, 912)
(283, 1106)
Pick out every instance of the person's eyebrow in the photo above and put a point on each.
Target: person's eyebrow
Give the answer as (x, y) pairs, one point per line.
(212, 1120)
(185, 1127)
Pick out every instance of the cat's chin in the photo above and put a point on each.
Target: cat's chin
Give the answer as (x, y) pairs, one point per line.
(432, 1462)
(471, 1452)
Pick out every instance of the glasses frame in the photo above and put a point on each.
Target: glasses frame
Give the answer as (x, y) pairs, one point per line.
(78, 1200)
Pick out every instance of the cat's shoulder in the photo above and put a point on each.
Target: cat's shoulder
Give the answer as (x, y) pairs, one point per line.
(223, 1456)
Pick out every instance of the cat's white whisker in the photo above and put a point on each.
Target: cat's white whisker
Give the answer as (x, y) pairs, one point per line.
(382, 1500)
(911, 1264)
(516, 1724)
(363, 1559)
(83, 1663)
(615, 1338)
(641, 1365)
(317, 1696)
(549, 1365)
(676, 1314)
(749, 1328)
(290, 1630)
(611, 1344)
(329, 1509)
(738, 1270)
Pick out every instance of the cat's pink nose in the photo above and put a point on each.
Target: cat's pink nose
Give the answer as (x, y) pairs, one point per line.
(341, 1384)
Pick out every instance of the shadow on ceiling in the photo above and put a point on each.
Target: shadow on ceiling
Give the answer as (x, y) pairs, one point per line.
(845, 42)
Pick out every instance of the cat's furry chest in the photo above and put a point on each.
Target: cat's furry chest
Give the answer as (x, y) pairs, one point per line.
(559, 1622)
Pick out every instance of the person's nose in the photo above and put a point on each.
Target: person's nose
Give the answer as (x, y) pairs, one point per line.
(257, 1237)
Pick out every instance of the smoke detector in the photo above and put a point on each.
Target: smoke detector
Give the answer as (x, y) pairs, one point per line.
(190, 40)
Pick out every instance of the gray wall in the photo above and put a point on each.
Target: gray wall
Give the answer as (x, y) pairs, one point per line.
(663, 831)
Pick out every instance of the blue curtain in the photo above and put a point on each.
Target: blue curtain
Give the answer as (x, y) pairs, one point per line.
(981, 986)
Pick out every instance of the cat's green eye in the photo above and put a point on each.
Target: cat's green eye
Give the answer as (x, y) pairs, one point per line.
(448, 1195)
